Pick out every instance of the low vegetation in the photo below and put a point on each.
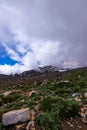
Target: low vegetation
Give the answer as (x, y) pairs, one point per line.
(55, 98)
(54, 110)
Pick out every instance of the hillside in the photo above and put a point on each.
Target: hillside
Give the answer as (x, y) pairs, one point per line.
(58, 99)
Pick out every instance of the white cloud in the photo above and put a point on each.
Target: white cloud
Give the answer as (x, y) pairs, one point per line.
(38, 51)
(12, 53)
(8, 69)
(45, 51)
(43, 31)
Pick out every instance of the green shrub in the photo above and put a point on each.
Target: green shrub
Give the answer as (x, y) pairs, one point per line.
(12, 97)
(46, 104)
(36, 97)
(66, 107)
(54, 110)
(48, 120)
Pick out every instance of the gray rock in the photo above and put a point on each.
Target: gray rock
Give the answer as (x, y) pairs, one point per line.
(16, 116)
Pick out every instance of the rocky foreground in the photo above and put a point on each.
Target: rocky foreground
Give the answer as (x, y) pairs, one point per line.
(46, 104)
(25, 119)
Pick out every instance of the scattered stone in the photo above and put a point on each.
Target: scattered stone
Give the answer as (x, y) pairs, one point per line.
(37, 102)
(68, 122)
(53, 83)
(31, 93)
(14, 86)
(42, 97)
(5, 94)
(45, 81)
(71, 125)
(35, 82)
(74, 94)
(20, 127)
(16, 116)
(79, 76)
(22, 100)
(83, 113)
(85, 94)
(66, 81)
(32, 115)
(31, 126)
(84, 120)
(37, 107)
(63, 81)
(79, 126)
(17, 91)
(78, 99)
(84, 109)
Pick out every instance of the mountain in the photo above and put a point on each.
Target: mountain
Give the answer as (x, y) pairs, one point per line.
(26, 77)
(39, 74)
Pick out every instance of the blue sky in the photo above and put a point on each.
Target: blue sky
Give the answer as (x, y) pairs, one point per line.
(42, 32)
(5, 58)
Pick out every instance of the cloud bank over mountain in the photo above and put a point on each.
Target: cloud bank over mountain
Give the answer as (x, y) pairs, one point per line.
(43, 32)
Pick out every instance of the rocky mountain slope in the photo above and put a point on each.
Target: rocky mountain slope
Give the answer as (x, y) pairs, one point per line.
(46, 99)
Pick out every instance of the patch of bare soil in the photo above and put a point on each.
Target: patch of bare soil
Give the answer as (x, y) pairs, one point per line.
(74, 124)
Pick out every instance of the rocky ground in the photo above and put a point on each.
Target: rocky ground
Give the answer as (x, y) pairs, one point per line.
(45, 103)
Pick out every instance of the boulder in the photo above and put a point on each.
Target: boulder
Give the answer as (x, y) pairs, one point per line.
(16, 116)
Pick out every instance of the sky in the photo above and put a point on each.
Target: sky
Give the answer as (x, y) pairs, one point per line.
(37, 33)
